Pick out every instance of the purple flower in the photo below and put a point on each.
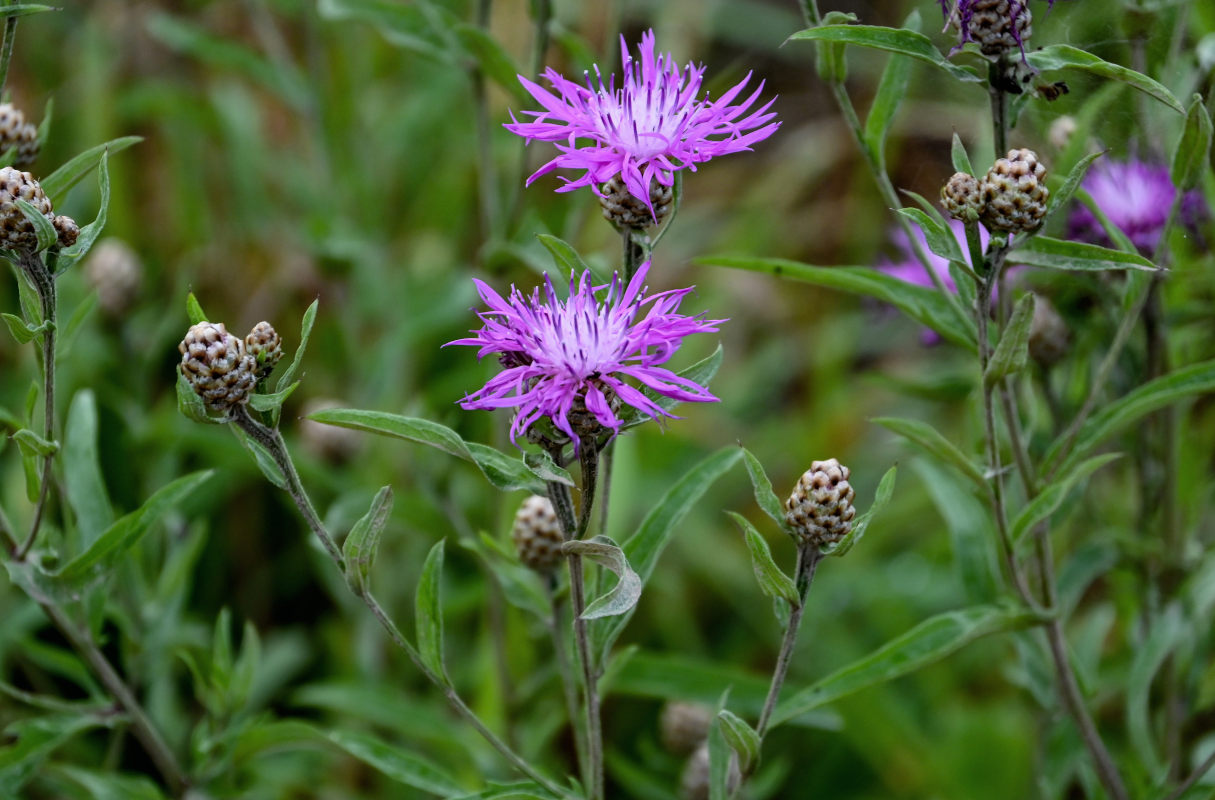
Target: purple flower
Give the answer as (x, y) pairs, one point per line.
(575, 354)
(1135, 196)
(645, 130)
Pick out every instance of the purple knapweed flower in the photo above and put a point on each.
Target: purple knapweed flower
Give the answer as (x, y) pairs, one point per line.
(1137, 197)
(644, 130)
(577, 353)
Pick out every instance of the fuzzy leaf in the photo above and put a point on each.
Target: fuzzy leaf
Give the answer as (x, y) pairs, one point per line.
(400, 765)
(428, 611)
(43, 227)
(1043, 251)
(930, 439)
(762, 487)
(890, 93)
(1054, 494)
(288, 376)
(1012, 352)
(622, 597)
(937, 233)
(57, 184)
(884, 492)
(86, 492)
(1191, 158)
(741, 737)
(1061, 196)
(1062, 56)
(359, 549)
(961, 160)
(772, 580)
(194, 310)
(70, 256)
(895, 40)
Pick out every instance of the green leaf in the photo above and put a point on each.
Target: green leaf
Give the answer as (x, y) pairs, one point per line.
(1062, 56)
(701, 372)
(359, 549)
(70, 256)
(428, 611)
(741, 737)
(1166, 632)
(772, 580)
(1061, 196)
(937, 233)
(288, 376)
(1055, 493)
(34, 445)
(43, 227)
(32, 741)
(890, 93)
(972, 532)
(885, 491)
(22, 9)
(961, 160)
(566, 257)
(22, 332)
(492, 58)
(194, 310)
(643, 548)
(261, 456)
(520, 790)
(1191, 159)
(1116, 416)
(926, 643)
(103, 785)
(403, 25)
(1043, 251)
(895, 40)
(1012, 353)
(57, 184)
(504, 472)
(622, 597)
(191, 405)
(271, 402)
(393, 762)
(762, 487)
(926, 306)
(113, 544)
(86, 492)
(930, 439)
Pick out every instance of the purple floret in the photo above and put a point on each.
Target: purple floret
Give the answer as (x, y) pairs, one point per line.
(583, 349)
(643, 131)
(1136, 196)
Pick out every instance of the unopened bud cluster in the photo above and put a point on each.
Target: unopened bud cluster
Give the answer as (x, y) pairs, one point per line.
(18, 135)
(820, 510)
(624, 210)
(17, 232)
(537, 534)
(266, 346)
(1012, 196)
(220, 367)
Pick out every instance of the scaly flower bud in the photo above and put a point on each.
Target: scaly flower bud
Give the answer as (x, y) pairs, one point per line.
(17, 232)
(216, 366)
(820, 510)
(537, 534)
(962, 197)
(625, 211)
(1014, 193)
(266, 346)
(16, 133)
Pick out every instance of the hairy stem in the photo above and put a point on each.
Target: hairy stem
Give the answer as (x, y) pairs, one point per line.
(272, 440)
(6, 49)
(589, 458)
(569, 684)
(807, 563)
(44, 283)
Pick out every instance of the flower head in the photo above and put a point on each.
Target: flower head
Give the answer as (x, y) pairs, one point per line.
(576, 354)
(653, 124)
(1135, 196)
(997, 26)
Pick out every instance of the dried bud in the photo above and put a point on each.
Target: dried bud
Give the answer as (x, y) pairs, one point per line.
(625, 211)
(67, 229)
(1048, 334)
(216, 366)
(266, 346)
(1015, 194)
(17, 232)
(537, 534)
(113, 269)
(962, 197)
(684, 726)
(820, 510)
(16, 133)
(694, 783)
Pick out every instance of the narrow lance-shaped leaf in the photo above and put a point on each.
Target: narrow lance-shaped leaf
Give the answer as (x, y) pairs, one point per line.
(621, 598)
(82, 477)
(56, 184)
(1012, 352)
(931, 440)
(21, 331)
(396, 763)
(884, 492)
(70, 256)
(1043, 251)
(306, 324)
(959, 156)
(492, 58)
(1061, 196)
(428, 611)
(937, 233)
(926, 643)
(564, 255)
(1167, 631)
(194, 310)
(701, 372)
(741, 738)
(895, 40)
(891, 90)
(359, 549)
(772, 580)
(43, 227)
(1191, 159)
(1055, 493)
(1062, 56)
(762, 487)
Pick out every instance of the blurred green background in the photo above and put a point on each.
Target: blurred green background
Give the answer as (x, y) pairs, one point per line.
(297, 150)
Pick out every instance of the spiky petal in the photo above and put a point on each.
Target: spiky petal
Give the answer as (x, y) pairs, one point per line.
(654, 123)
(587, 349)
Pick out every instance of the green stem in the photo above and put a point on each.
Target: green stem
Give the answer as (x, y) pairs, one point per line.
(272, 440)
(486, 175)
(6, 50)
(807, 563)
(1195, 776)
(569, 685)
(44, 283)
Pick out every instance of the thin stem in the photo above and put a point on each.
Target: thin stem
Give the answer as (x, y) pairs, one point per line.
(44, 282)
(272, 440)
(141, 724)
(569, 685)
(999, 105)
(6, 50)
(1195, 776)
(589, 458)
(807, 563)
(486, 176)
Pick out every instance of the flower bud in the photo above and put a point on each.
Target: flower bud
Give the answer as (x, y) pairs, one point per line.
(684, 726)
(537, 534)
(1015, 194)
(625, 211)
(114, 270)
(962, 197)
(266, 346)
(694, 783)
(1048, 334)
(820, 510)
(216, 366)
(67, 229)
(18, 135)
(17, 232)
(997, 26)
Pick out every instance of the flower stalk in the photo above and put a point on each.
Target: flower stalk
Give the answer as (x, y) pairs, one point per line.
(808, 557)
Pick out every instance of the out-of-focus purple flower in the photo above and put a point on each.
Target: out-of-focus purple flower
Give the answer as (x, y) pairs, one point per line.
(576, 354)
(1136, 196)
(645, 130)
